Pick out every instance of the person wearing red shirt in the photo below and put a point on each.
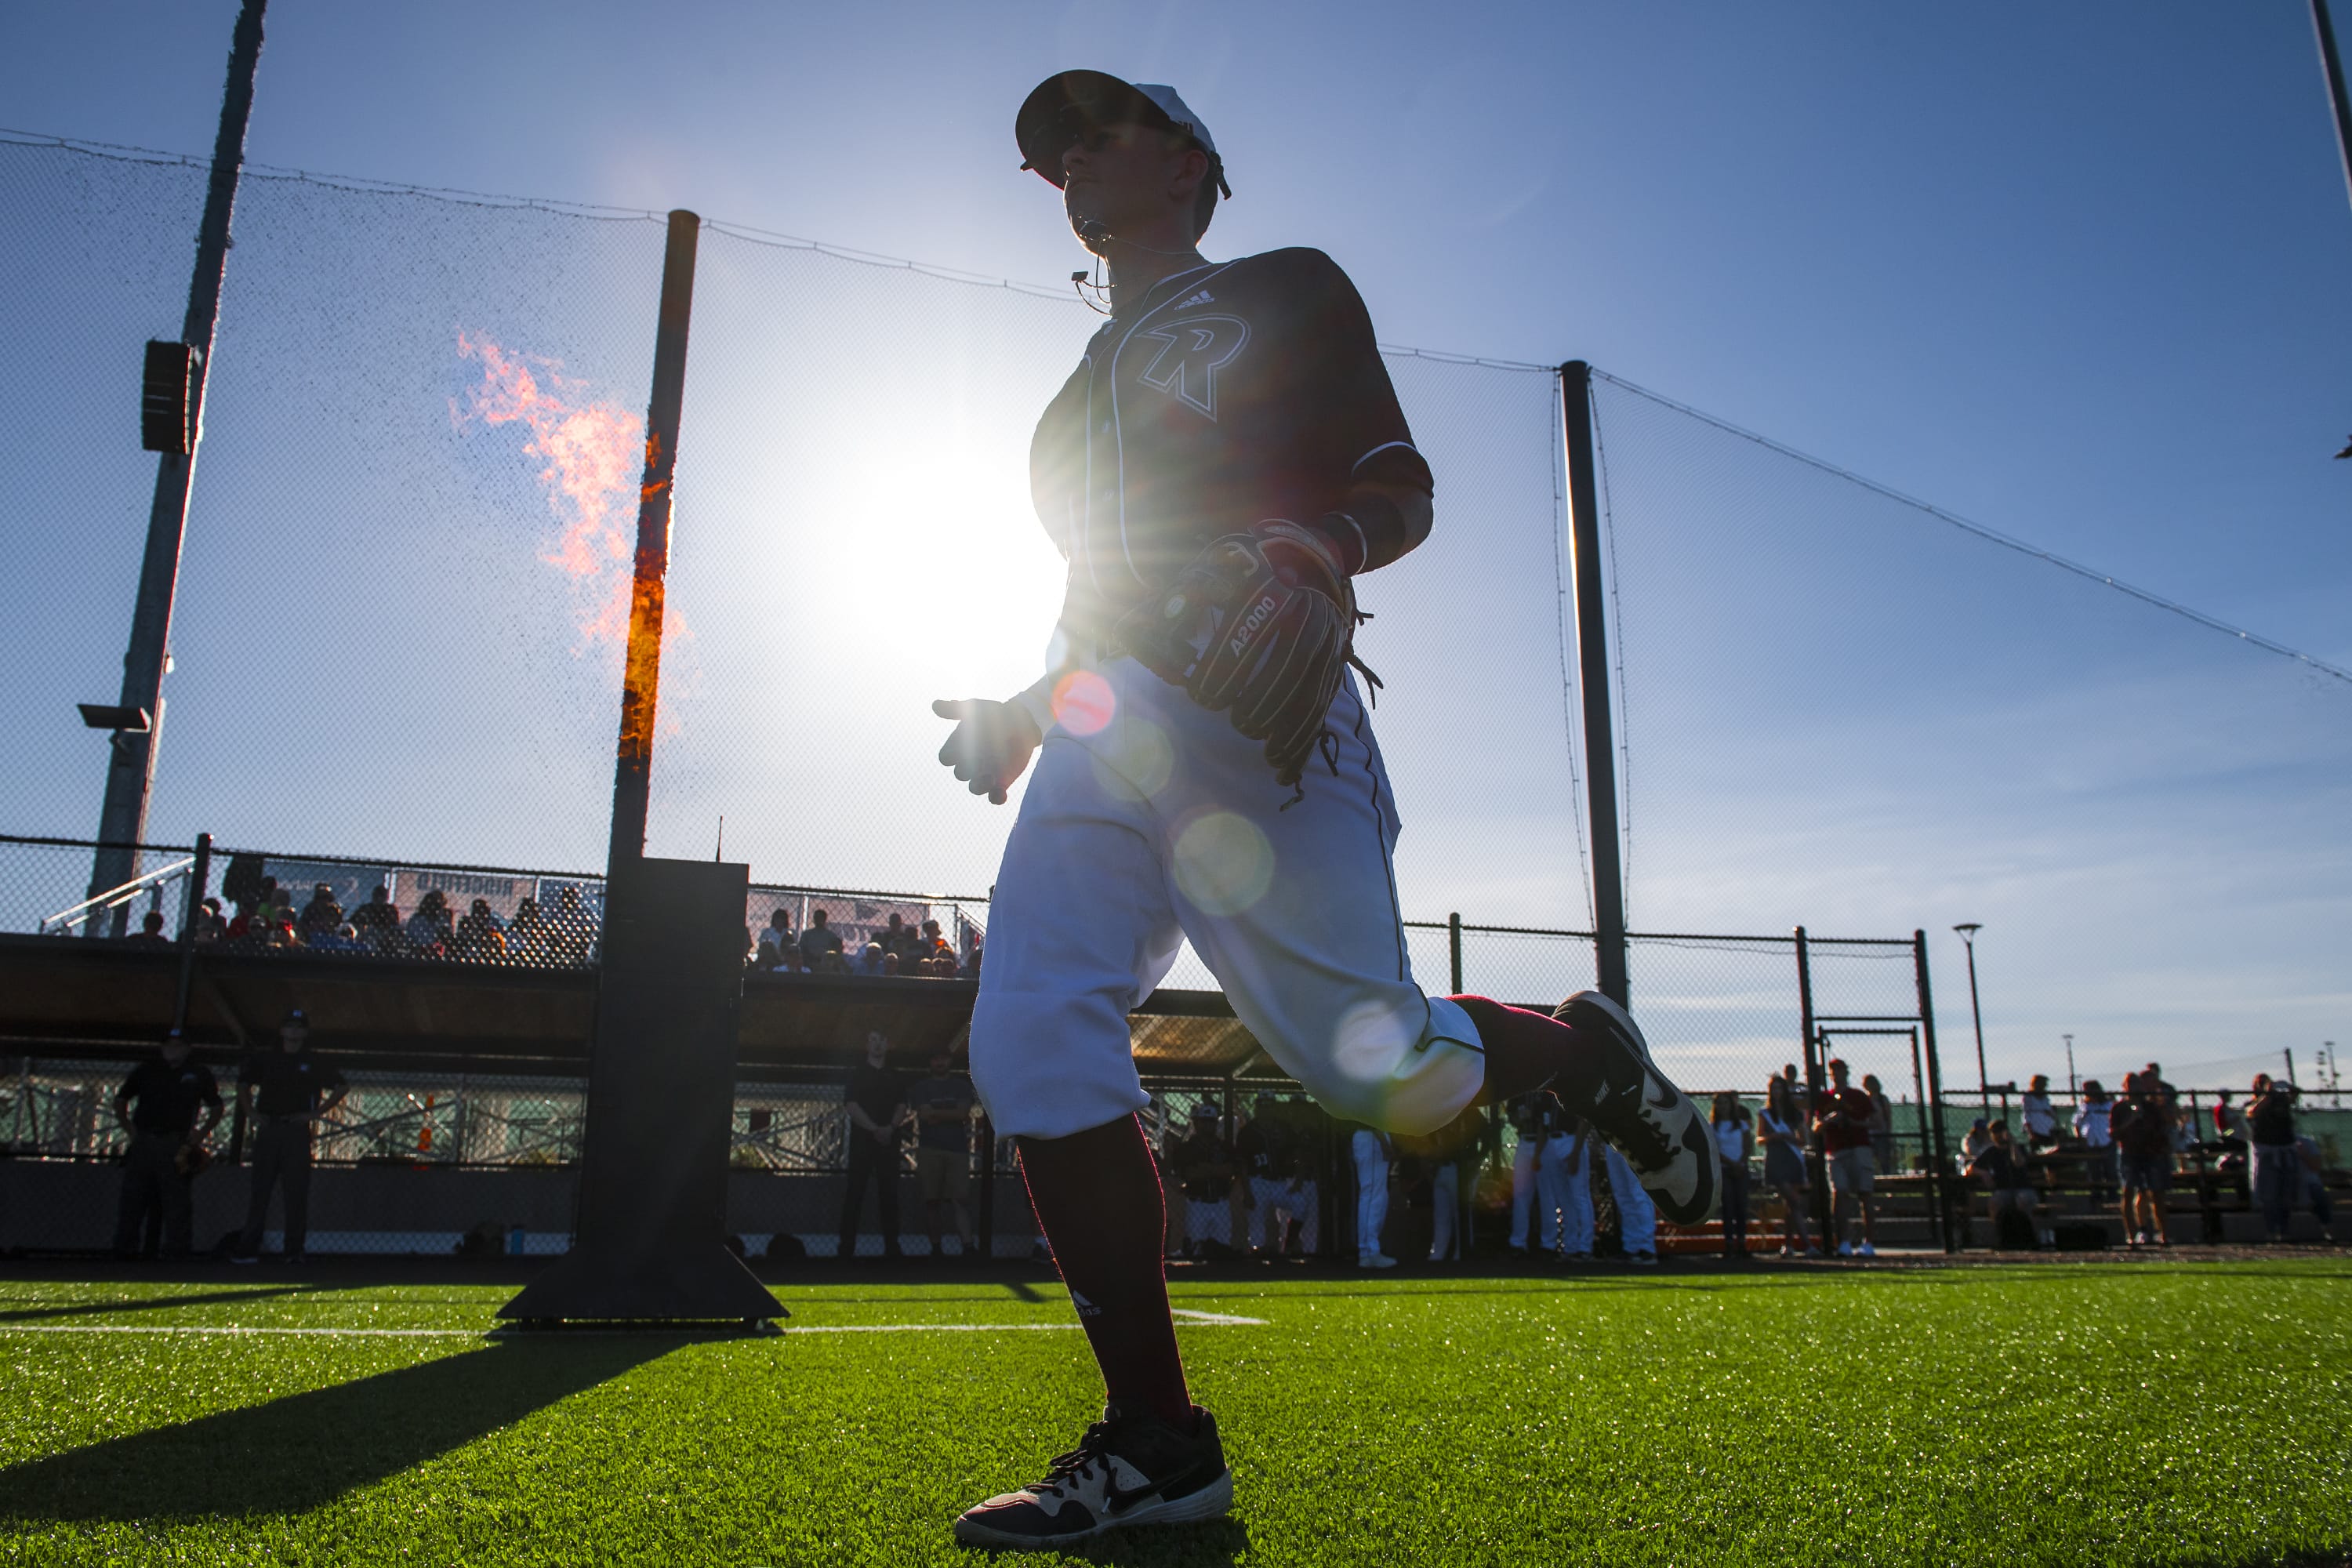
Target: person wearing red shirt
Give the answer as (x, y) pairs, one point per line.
(1843, 1119)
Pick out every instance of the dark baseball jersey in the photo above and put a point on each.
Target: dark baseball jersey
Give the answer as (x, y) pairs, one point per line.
(1226, 394)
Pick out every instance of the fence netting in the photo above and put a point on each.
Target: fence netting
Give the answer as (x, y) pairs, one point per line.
(1843, 709)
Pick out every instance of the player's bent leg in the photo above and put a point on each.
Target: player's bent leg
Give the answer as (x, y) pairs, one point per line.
(1601, 1066)
(1131, 1467)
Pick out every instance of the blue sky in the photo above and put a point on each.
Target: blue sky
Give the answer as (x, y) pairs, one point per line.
(2076, 272)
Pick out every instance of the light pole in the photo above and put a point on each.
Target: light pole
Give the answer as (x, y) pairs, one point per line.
(1968, 930)
(2071, 1086)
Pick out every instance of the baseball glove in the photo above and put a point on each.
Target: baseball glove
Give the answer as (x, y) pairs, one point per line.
(191, 1158)
(1260, 626)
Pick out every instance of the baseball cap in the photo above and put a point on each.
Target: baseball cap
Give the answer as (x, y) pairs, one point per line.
(296, 1015)
(1204, 1111)
(1098, 97)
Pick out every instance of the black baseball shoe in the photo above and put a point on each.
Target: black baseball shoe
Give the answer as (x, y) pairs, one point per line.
(1629, 1102)
(1128, 1470)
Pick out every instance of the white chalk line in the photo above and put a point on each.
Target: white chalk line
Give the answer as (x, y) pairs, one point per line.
(1185, 1318)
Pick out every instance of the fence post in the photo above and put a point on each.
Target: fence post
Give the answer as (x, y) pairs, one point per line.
(1940, 1154)
(1592, 682)
(199, 875)
(1454, 944)
(641, 678)
(1824, 1211)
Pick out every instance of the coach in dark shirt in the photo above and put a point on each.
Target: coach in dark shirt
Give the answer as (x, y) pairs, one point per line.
(876, 1107)
(284, 1089)
(157, 1105)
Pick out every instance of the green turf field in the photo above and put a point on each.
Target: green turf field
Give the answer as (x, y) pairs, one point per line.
(2121, 1413)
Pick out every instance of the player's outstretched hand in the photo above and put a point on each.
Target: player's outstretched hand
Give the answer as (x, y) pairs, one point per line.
(991, 744)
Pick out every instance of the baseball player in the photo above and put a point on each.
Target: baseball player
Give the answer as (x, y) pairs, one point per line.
(1226, 458)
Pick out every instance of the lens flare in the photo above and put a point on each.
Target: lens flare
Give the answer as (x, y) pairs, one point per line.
(1136, 761)
(1224, 863)
(1084, 703)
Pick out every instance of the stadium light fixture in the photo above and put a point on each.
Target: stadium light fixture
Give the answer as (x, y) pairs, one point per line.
(123, 719)
(1968, 930)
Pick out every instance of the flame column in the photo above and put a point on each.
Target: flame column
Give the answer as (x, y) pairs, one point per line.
(641, 678)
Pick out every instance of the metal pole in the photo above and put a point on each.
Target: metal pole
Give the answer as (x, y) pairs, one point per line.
(2331, 65)
(2290, 1067)
(199, 877)
(1941, 1153)
(130, 756)
(1453, 945)
(641, 681)
(1984, 1080)
(1824, 1213)
(1593, 683)
(2073, 1088)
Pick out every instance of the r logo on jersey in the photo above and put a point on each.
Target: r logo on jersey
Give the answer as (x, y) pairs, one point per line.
(1192, 351)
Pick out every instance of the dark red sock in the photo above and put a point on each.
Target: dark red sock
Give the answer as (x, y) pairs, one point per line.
(1099, 1199)
(1527, 1051)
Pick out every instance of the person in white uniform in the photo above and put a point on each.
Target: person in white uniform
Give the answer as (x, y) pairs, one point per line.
(1226, 458)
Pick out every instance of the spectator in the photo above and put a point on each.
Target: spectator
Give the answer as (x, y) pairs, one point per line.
(428, 932)
(1734, 1141)
(282, 1090)
(574, 927)
(2231, 1132)
(2153, 1087)
(1371, 1152)
(1882, 1124)
(1797, 1100)
(210, 926)
(1282, 1194)
(870, 958)
(378, 915)
(2040, 1117)
(280, 932)
(1457, 1150)
(1528, 1117)
(2095, 1128)
(1842, 1119)
(893, 934)
(2142, 1127)
(2000, 1163)
(150, 931)
(321, 913)
(2277, 1174)
(1637, 1215)
(1202, 1163)
(819, 942)
(481, 937)
(890, 962)
(876, 1103)
(1780, 1128)
(1563, 1199)
(529, 939)
(942, 1104)
(774, 939)
(156, 1166)
(971, 965)
(1973, 1143)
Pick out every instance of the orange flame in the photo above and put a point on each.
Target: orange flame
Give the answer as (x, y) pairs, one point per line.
(591, 451)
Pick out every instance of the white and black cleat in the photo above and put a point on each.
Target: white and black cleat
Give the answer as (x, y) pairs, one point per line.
(1129, 1469)
(1659, 1130)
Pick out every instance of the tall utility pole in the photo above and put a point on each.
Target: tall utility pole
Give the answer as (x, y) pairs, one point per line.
(2072, 1086)
(139, 715)
(1593, 683)
(2331, 66)
(1968, 931)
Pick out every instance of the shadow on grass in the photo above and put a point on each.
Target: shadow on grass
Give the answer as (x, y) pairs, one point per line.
(152, 1303)
(294, 1454)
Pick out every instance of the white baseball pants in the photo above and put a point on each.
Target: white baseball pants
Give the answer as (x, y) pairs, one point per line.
(1151, 821)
